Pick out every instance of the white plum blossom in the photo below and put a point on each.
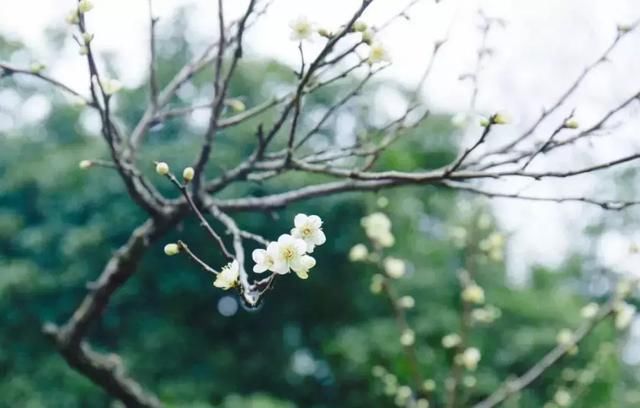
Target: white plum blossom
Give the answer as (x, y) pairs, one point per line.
(306, 263)
(470, 358)
(227, 278)
(301, 29)
(394, 267)
(451, 340)
(562, 398)
(309, 229)
(624, 315)
(565, 337)
(358, 252)
(406, 302)
(590, 310)
(265, 258)
(407, 338)
(378, 53)
(377, 226)
(473, 294)
(111, 86)
(290, 253)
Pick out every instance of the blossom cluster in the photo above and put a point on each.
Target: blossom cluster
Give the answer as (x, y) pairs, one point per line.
(291, 251)
(302, 29)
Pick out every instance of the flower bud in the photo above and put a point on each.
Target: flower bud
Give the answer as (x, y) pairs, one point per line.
(85, 164)
(376, 284)
(565, 337)
(37, 67)
(85, 6)
(111, 86)
(624, 28)
(162, 168)
(236, 105)
(360, 26)
(72, 18)
(499, 119)
(187, 174)
(87, 38)
(429, 385)
(408, 337)
(394, 267)
(590, 310)
(473, 294)
(571, 124)
(323, 32)
(406, 302)
(451, 340)
(171, 249)
(83, 50)
(367, 37)
(358, 252)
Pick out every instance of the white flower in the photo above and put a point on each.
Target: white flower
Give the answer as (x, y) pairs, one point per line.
(562, 398)
(188, 173)
(451, 340)
(377, 284)
(406, 302)
(111, 86)
(162, 168)
(394, 267)
(265, 258)
(473, 294)
(624, 315)
(565, 337)
(306, 263)
(377, 53)
(37, 67)
(171, 249)
(227, 278)
(85, 164)
(470, 358)
(236, 105)
(289, 253)
(377, 226)
(85, 6)
(309, 229)
(359, 252)
(301, 29)
(72, 18)
(422, 403)
(87, 38)
(589, 311)
(429, 385)
(469, 381)
(407, 338)
(485, 314)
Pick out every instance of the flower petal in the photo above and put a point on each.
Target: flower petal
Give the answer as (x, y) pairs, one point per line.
(300, 220)
(314, 221)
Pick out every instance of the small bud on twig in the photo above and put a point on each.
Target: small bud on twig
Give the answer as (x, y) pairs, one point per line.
(571, 124)
(171, 249)
(85, 164)
(162, 168)
(187, 174)
(85, 6)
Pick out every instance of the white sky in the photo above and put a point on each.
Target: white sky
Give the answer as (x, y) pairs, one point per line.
(545, 44)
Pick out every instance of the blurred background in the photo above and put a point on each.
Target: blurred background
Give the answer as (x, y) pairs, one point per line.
(314, 343)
